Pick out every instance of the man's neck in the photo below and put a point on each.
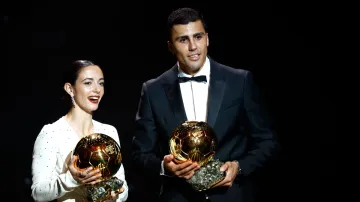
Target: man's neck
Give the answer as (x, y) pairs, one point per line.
(188, 72)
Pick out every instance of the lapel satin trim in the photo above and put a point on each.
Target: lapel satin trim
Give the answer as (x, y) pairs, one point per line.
(173, 93)
(216, 93)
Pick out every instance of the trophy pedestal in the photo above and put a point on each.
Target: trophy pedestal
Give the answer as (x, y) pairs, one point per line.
(102, 191)
(207, 176)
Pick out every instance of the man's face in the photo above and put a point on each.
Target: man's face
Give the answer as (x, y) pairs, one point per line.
(189, 44)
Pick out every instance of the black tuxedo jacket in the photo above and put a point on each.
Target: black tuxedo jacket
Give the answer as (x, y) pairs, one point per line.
(236, 115)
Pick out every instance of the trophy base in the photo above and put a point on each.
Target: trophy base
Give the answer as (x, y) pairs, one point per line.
(207, 176)
(101, 191)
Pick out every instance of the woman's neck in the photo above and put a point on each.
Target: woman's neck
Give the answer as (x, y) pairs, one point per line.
(80, 121)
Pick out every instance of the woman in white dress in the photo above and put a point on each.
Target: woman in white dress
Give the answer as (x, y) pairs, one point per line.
(54, 172)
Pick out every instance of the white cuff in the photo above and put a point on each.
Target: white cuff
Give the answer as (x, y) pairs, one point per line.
(70, 182)
(162, 171)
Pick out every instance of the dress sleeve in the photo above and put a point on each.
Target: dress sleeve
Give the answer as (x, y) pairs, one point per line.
(47, 183)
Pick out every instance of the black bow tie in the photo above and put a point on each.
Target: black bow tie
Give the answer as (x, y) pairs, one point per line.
(194, 78)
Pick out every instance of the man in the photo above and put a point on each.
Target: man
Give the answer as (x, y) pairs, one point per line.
(227, 99)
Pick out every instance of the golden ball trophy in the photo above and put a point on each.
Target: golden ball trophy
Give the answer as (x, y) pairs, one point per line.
(196, 141)
(102, 152)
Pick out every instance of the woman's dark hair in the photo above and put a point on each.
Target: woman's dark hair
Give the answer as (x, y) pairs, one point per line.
(72, 73)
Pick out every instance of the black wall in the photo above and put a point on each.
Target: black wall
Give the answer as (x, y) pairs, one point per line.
(284, 43)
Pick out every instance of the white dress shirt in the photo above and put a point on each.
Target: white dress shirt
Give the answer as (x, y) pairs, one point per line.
(51, 178)
(195, 96)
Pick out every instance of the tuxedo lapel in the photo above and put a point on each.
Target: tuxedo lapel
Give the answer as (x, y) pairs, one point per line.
(173, 93)
(216, 93)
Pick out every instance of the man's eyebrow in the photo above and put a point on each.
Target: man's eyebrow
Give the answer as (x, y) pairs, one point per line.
(186, 36)
(182, 37)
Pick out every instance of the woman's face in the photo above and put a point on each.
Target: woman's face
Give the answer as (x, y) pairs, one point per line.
(89, 88)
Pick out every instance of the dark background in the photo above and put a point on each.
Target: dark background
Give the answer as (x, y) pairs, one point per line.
(284, 43)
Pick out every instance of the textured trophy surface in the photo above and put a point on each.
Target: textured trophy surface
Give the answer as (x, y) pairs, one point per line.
(196, 141)
(102, 152)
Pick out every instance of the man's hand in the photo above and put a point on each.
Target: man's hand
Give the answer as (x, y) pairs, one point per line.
(231, 168)
(183, 169)
(84, 176)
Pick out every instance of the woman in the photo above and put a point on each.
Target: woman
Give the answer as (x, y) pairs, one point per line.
(54, 172)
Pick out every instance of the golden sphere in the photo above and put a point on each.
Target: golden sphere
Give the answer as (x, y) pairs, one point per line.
(100, 151)
(194, 141)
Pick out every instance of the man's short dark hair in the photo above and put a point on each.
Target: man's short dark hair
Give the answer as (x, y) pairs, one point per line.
(184, 16)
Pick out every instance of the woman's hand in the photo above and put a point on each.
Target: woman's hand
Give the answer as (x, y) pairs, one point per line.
(86, 175)
(115, 194)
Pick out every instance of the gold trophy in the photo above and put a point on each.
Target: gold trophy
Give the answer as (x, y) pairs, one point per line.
(102, 152)
(196, 141)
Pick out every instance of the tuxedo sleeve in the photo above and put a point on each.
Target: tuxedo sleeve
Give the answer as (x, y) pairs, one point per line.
(145, 138)
(263, 139)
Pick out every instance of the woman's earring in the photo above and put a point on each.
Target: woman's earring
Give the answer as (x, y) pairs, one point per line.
(73, 101)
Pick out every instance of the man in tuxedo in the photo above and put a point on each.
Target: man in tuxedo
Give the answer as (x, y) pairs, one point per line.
(200, 89)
